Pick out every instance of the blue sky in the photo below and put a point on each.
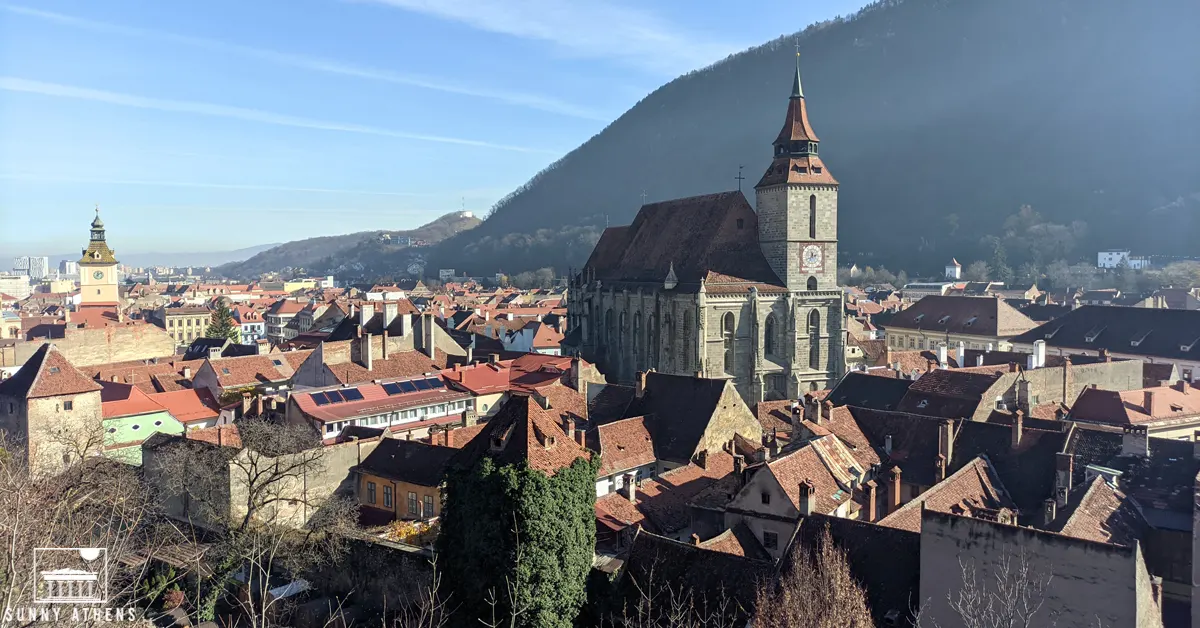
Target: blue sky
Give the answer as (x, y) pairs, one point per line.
(228, 123)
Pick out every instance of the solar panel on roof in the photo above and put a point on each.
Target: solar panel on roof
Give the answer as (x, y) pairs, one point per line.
(436, 383)
(319, 398)
(352, 394)
(392, 389)
(407, 387)
(334, 396)
(422, 384)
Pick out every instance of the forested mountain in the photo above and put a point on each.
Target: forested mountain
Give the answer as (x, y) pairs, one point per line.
(940, 118)
(362, 255)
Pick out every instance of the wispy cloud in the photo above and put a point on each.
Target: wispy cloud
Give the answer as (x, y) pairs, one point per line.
(14, 84)
(589, 28)
(328, 66)
(17, 176)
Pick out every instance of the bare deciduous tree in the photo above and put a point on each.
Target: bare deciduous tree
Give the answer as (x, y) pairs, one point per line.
(1012, 598)
(816, 589)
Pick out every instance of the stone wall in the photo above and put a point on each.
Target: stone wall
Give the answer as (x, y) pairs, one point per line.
(56, 436)
(103, 345)
(1090, 582)
(731, 417)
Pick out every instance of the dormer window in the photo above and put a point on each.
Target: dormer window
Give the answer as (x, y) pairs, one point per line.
(970, 321)
(497, 443)
(1137, 340)
(923, 403)
(1092, 335)
(919, 318)
(943, 320)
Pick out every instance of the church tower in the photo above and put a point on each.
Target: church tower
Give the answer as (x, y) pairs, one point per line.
(98, 271)
(797, 205)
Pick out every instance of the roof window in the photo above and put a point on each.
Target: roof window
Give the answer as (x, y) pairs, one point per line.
(923, 403)
(54, 369)
(1137, 340)
(225, 371)
(970, 321)
(1092, 335)
(943, 320)
(918, 318)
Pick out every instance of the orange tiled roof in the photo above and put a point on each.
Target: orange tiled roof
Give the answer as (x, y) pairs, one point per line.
(47, 373)
(974, 487)
(188, 405)
(624, 444)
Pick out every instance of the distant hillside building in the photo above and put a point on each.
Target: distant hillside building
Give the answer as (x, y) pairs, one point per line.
(708, 285)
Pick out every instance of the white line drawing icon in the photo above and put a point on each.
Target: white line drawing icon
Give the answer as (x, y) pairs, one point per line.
(70, 575)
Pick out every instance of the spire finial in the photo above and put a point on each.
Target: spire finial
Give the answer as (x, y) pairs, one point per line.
(797, 90)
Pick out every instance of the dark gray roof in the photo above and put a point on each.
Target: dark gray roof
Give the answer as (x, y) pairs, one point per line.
(869, 391)
(1171, 334)
(678, 409)
(409, 461)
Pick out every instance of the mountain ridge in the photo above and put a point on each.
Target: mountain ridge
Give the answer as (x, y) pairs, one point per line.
(940, 118)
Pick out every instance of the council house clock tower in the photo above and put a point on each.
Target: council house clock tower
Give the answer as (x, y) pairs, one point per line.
(98, 271)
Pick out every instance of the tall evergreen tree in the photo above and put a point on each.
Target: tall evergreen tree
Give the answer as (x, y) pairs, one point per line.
(222, 324)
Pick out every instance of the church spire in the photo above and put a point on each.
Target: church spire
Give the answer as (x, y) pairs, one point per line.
(797, 89)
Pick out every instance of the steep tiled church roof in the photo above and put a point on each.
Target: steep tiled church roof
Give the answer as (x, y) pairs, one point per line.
(712, 237)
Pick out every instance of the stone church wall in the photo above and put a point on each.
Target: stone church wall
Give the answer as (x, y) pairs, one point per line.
(103, 345)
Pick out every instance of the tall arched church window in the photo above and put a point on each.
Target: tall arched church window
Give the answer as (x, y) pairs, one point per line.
(653, 347)
(668, 341)
(609, 335)
(637, 340)
(814, 340)
(688, 342)
(727, 338)
(812, 217)
(769, 341)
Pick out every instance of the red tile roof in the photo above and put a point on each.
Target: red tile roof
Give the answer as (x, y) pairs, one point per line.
(188, 405)
(972, 489)
(397, 365)
(252, 370)
(121, 400)
(224, 435)
(624, 445)
(662, 502)
(47, 373)
(1177, 402)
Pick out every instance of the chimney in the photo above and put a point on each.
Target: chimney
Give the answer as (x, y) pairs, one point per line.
(245, 404)
(1064, 469)
(1135, 441)
(1018, 426)
(939, 466)
(946, 440)
(887, 444)
(365, 352)
(542, 401)
(1148, 403)
(640, 387)
(942, 355)
(808, 498)
(797, 415)
(220, 434)
(116, 378)
(1023, 396)
(384, 344)
(811, 409)
(405, 324)
(1039, 353)
(365, 314)
(581, 437)
(871, 505)
(449, 438)
(894, 491)
(1068, 392)
(569, 427)
(631, 487)
(390, 308)
(826, 409)
(1049, 511)
(187, 372)
(1183, 387)
(575, 375)
(427, 332)
(961, 356)
(739, 464)
(702, 459)
(979, 360)
(695, 539)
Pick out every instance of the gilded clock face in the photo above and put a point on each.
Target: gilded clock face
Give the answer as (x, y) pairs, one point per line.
(811, 256)
(98, 274)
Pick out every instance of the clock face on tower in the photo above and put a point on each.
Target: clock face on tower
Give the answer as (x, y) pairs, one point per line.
(98, 274)
(810, 258)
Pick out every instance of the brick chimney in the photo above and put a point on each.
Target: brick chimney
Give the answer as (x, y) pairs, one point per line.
(245, 403)
(1064, 468)
(826, 409)
(640, 386)
(946, 440)
(581, 437)
(894, 491)
(1018, 427)
(449, 437)
(871, 505)
(808, 498)
(568, 425)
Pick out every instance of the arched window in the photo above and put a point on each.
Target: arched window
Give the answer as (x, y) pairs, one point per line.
(688, 342)
(637, 340)
(814, 340)
(727, 337)
(812, 283)
(769, 341)
(812, 217)
(653, 348)
(668, 343)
